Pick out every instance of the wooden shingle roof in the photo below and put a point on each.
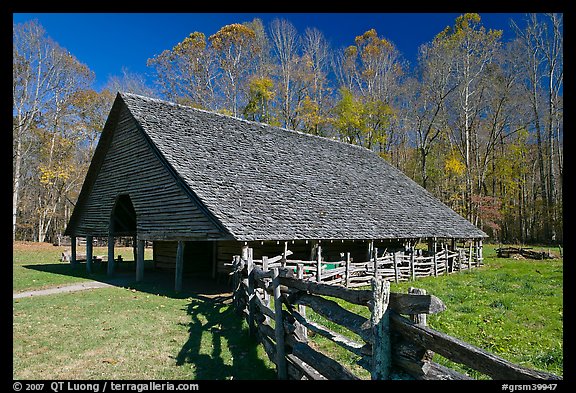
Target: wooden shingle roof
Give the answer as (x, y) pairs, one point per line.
(268, 183)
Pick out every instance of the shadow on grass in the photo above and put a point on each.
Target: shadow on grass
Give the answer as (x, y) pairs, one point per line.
(218, 346)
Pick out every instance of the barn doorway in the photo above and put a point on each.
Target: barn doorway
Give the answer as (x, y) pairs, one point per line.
(123, 218)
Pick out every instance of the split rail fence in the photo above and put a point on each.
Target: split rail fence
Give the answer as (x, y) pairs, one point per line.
(393, 341)
(392, 266)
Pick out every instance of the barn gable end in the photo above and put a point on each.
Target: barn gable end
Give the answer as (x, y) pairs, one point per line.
(126, 163)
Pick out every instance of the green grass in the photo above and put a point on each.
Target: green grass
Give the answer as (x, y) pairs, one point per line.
(38, 266)
(143, 331)
(512, 308)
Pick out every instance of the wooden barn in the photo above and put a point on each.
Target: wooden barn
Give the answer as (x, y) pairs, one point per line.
(201, 185)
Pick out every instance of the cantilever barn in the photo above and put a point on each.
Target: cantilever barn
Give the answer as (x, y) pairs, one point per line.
(201, 185)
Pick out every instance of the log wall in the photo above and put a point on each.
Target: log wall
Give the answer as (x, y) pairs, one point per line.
(130, 165)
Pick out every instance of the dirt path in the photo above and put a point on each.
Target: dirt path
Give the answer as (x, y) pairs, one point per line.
(80, 286)
(205, 287)
(62, 289)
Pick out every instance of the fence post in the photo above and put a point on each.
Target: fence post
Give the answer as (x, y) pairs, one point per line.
(279, 327)
(266, 300)
(319, 263)
(380, 322)
(395, 262)
(470, 256)
(480, 257)
(348, 272)
(412, 261)
(419, 319)
(302, 330)
(251, 300)
(446, 260)
(434, 258)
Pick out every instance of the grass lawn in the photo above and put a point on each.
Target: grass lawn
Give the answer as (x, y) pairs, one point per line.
(138, 332)
(513, 308)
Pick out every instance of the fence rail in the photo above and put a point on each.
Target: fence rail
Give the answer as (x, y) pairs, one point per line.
(397, 266)
(274, 297)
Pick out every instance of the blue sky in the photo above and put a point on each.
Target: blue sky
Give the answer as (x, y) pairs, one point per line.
(106, 42)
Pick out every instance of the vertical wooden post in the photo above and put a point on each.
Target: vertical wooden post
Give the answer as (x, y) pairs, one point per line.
(135, 248)
(89, 252)
(266, 295)
(419, 319)
(73, 250)
(244, 253)
(214, 259)
(251, 299)
(470, 256)
(236, 283)
(412, 261)
(445, 247)
(395, 262)
(370, 250)
(279, 327)
(110, 269)
(380, 321)
(179, 266)
(284, 256)
(302, 330)
(319, 263)
(480, 256)
(375, 260)
(348, 269)
(434, 258)
(140, 260)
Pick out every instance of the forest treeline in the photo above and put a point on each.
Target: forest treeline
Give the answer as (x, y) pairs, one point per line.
(476, 121)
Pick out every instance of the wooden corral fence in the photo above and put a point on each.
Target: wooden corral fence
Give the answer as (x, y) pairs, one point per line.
(394, 340)
(391, 266)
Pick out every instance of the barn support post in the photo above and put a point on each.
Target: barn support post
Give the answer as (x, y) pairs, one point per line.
(73, 250)
(380, 322)
(369, 250)
(348, 269)
(110, 268)
(318, 263)
(412, 260)
(140, 260)
(375, 259)
(284, 256)
(89, 252)
(135, 248)
(214, 258)
(179, 266)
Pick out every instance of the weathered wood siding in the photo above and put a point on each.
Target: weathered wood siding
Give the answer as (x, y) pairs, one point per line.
(197, 256)
(163, 209)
